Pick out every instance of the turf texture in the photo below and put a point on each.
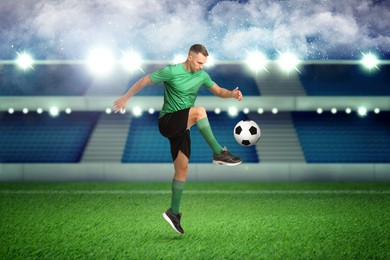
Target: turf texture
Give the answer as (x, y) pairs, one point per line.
(221, 221)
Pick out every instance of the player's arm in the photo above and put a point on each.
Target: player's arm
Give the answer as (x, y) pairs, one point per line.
(224, 93)
(120, 103)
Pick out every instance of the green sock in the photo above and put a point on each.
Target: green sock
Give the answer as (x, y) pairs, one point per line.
(177, 190)
(205, 129)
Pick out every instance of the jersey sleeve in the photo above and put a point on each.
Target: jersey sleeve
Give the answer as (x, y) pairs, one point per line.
(208, 82)
(163, 74)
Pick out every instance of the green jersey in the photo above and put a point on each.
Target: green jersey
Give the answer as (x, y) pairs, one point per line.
(180, 86)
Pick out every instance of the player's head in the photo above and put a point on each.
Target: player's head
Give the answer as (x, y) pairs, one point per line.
(198, 48)
(197, 57)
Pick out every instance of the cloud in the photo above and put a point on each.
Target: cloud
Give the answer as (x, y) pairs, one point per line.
(162, 28)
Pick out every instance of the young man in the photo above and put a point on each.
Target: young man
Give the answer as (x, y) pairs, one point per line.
(181, 84)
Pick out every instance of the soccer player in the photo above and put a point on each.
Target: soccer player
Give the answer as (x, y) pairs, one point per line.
(181, 84)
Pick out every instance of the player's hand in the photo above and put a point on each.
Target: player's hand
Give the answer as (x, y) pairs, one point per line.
(237, 94)
(120, 104)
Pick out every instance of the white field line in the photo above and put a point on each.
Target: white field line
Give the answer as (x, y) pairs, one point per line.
(195, 192)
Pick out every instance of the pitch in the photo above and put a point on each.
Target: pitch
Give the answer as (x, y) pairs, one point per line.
(222, 220)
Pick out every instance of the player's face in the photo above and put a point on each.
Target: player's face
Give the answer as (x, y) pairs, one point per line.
(196, 61)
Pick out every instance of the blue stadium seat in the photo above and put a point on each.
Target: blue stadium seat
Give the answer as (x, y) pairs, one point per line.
(344, 138)
(37, 138)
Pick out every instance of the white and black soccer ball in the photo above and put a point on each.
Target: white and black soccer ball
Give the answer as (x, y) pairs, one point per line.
(247, 132)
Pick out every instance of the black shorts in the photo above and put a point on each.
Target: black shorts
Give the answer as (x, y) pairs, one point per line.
(174, 127)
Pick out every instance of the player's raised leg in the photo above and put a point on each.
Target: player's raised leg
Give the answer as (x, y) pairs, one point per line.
(198, 116)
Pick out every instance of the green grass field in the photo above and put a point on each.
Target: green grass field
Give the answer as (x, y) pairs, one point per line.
(221, 221)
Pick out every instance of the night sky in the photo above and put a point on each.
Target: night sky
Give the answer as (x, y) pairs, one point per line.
(159, 29)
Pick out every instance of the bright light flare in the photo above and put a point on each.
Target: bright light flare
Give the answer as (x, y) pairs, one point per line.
(137, 111)
(24, 61)
(256, 61)
(132, 61)
(210, 61)
(179, 58)
(54, 111)
(101, 61)
(370, 61)
(362, 111)
(232, 111)
(288, 61)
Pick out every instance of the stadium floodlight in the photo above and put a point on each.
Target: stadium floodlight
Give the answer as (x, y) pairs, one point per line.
(370, 61)
(288, 61)
(24, 61)
(319, 110)
(377, 110)
(25, 110)
(151, 111)
(132, 61)
(348, 110)
(54, 111)
(246, 111)
(362, 111)
(275, 111)
(260, 111)
(179, 58)
(232, 111)
(100, 61)
(334, 110)
(256, 61)
(11, 110)
(108, 110)
(68, 110)
(39, 110)
(137, 111)
(217, 111)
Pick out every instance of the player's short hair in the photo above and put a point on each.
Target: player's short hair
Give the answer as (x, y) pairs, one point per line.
(199, 48)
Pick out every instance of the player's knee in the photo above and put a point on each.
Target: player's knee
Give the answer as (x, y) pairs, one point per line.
(201, 113)
(183, 169)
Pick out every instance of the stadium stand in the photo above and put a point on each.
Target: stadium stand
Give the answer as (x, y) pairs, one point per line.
(343, 138)
(279, 141)
(145, 143)
(345, 80)
(35, 138)
(275, 82)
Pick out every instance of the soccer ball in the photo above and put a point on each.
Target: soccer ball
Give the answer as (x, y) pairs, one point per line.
(247, 132)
